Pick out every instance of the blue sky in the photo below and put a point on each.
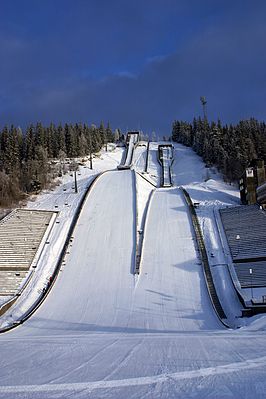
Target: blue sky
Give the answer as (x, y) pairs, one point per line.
(137, 64)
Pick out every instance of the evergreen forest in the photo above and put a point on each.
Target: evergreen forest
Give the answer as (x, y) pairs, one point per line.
(26, 157)
(228, 147)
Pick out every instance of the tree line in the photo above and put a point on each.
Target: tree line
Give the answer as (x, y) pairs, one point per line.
(25, 157)
(229, 147)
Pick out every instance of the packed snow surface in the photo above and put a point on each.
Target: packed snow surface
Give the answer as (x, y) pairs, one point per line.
(103, 332)
(139, 157)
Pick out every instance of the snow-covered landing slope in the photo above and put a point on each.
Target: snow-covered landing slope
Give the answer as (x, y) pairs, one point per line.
(95, 286)
(171, 292)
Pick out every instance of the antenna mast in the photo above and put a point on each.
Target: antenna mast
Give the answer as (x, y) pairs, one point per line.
(204, 106)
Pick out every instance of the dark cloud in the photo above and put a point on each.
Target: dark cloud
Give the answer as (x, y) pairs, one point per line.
(136, 65)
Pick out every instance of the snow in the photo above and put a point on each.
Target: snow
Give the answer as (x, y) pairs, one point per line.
(171, 290)
(102, 332)
(139, 157)
(206, 188)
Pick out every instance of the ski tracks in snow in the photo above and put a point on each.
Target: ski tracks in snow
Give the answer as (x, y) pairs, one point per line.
(108, 346)
(125, 360)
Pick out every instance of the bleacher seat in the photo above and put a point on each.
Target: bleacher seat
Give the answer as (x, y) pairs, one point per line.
(245, 229)
(256, 279)
(21, 233)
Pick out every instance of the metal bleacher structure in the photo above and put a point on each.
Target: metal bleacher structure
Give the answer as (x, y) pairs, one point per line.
(23, 234)
(245, 229)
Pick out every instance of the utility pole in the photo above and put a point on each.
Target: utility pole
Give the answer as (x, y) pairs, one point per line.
(90, 150)
(204, 106)
(75, 180)
(105, 139)
(90, 160)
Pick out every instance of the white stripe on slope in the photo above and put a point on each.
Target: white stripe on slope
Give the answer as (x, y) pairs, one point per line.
(184, 375)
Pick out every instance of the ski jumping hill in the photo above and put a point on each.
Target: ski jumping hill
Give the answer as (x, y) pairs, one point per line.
(104, 331)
